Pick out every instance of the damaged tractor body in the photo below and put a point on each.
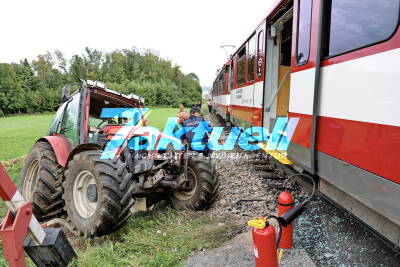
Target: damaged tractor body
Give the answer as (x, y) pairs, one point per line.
(92, 168)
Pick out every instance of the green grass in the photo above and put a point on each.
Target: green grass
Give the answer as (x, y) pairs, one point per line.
(159, 116)
(162, 237)
(204, 108)
(18, 133)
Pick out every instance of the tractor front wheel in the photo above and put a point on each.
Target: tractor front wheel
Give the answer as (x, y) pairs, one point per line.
(202, 185)
(97, 193)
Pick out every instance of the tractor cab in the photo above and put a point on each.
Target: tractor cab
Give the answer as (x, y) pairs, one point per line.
(80, 119)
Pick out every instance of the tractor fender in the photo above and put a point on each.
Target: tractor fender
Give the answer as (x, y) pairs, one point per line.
(81, 148)
(62, 148)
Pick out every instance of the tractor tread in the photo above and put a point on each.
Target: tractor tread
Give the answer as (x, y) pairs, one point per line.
(46, 196)
(207, 189)
(113, 182)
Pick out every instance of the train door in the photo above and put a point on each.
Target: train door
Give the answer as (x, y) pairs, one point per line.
(229, 84)
(278, 61)
(291, 74)
(259, 75)
(302, 81)
(251, 75)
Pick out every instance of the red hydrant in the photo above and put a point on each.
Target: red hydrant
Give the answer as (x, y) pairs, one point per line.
(285, 203)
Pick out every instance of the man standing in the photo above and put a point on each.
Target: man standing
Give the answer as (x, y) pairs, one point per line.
(182, 115)
(198, 132)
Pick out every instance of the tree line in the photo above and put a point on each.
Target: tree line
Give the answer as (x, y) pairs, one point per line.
(35, 86)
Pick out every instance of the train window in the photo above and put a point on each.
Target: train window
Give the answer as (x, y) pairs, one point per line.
(251, 58)
(221, 82)
(286, 43)
(241, 67)
(230, 77)
(226, 77)
(355, 24)
(304, 31)
(260, 53)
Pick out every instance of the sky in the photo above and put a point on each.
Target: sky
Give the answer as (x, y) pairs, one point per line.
(189, 33)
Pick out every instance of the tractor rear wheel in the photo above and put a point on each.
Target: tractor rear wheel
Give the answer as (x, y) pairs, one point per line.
(40, 181)
(97, 193)
(202, 187)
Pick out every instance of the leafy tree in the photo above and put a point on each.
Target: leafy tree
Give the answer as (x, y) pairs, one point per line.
(11, 92)
(34, 86)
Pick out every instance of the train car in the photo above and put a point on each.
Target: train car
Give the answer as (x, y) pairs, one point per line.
(333, 67)
(220, 92)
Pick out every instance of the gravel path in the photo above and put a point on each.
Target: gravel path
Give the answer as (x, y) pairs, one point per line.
(239, 252)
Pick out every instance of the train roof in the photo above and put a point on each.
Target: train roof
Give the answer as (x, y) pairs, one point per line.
(276, 7)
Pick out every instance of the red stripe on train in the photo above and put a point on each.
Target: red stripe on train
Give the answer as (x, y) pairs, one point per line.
(370, 146)
(249, 114)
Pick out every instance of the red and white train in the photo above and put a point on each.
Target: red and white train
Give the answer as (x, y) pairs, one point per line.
(335, 65)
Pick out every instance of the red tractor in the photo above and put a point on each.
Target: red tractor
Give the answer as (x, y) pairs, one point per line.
(65, 175)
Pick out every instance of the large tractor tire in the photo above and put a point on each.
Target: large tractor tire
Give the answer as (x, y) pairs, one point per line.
(41, 181)
(203, 185)
(97, 194)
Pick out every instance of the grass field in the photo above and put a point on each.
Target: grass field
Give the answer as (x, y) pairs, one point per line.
(18, 133)
(162, 237)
